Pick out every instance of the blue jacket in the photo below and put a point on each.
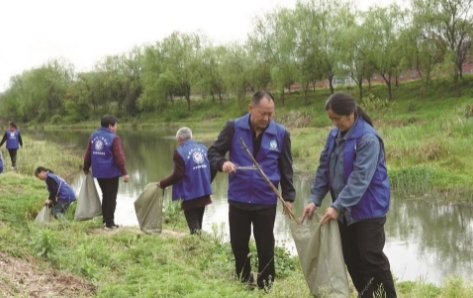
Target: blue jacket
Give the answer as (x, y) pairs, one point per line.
(103, 164)
(12, 139)
(64, 192)
(196, 181)
(358, 199)
(250, 186)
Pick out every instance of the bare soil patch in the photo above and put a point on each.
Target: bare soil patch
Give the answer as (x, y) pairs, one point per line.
(25, 278)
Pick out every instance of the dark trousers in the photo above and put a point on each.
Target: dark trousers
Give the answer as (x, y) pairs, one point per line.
(194, 219)
(59, 209)
(240, 221)
(369, 268)
(12, 153)
(109, 187)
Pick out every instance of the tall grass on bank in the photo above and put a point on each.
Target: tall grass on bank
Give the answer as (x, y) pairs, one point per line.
(43, 153)
(432, 156)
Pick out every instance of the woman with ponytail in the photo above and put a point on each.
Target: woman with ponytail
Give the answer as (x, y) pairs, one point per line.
(352, 168)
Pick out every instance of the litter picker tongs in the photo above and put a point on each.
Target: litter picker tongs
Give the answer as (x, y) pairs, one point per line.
(276, 191)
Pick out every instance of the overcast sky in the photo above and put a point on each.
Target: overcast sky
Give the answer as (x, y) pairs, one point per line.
(35, 31)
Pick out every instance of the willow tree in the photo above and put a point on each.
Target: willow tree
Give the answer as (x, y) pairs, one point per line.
(382, 27)
(448, 23)
(273, 40)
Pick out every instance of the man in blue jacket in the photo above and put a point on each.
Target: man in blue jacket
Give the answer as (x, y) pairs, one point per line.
(105, 154)
(251, 200)
(191, 179)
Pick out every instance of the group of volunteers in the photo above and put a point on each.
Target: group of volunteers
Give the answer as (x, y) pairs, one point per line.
(104, 154)
(352, 169)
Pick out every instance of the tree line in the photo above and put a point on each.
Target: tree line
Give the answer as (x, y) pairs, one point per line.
(313, 41)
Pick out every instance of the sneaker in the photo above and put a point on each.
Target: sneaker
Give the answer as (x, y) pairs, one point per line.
(112, 227)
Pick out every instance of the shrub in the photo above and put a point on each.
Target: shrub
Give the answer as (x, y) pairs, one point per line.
(375, 104)
(294, 118)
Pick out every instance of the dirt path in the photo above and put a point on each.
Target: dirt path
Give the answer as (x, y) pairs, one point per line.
(24, 278)
(27, 278)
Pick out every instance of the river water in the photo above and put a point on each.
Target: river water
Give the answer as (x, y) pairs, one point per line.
(426, 241)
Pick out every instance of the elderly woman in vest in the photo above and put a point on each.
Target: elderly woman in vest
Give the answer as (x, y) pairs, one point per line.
(191, 179)
(61, 195)
(13, 139)
(352, 168)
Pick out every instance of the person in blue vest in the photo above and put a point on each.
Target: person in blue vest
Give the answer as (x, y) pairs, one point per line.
(105, 154)
(191, 179)
(251, 200)
(352, 167)
(13, 139)
(61, 194)
(1, 162)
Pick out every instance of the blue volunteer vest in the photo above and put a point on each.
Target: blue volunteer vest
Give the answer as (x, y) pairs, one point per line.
(249, 186)
(12, 139)
(103, 165)
(196, 181)
(1, 163)
(375, 202)
(64, 192)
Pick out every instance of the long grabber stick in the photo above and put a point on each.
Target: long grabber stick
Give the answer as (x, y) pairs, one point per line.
(276, 191)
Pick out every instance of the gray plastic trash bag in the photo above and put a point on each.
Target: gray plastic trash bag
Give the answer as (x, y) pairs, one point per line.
(320, 252)
(88, 202)
(44, 215)
(149, 209)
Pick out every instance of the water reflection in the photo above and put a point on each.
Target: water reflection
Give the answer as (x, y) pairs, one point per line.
(424, 240)
(430, 240)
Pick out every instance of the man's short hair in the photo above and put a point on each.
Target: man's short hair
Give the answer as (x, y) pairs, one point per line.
(108, 120)
(259, 95)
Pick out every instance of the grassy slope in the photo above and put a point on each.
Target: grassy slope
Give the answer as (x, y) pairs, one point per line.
(129, 264)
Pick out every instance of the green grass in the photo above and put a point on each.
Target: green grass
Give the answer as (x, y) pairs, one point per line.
(127, 263)
(36, 153)
(130, 264)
